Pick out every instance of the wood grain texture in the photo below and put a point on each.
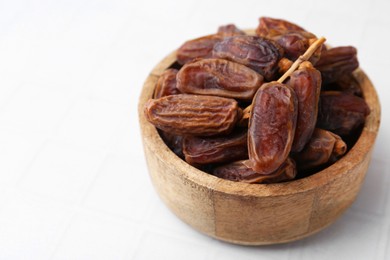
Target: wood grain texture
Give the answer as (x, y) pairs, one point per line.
(257, 214)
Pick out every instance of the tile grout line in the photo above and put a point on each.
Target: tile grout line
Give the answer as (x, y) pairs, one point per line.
(28, 167)
(11, 96)
(56, 127)
(98, 173)
(57, 244)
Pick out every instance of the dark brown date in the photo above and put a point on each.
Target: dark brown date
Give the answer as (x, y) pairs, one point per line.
(294, 39)
(269, 27)
(197, 48)
(324, 147)
(229, 30)
(185, 114)
(219, 77)
(166, 84)
(271, 127)
(204, 150)
(347, 83)
(306, 82)
(257, 53)
(174, 142)
(295, 43)
(336, 62)
(286, 172)
(238, 171)
(341, 112)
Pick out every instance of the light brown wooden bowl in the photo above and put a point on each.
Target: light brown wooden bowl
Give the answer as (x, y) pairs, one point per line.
(257, 214)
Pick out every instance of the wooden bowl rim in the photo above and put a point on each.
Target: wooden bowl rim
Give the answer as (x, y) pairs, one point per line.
(203, 179)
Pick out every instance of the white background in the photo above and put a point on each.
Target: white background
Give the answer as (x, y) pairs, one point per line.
(73, 179)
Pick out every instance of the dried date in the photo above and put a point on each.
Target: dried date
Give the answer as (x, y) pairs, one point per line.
(269, 27)
(324, 147)
(220, 78)
(271, 127)
(341, 112)
(229, 30)
(346, 83)
(238, 171)
(306, 82)
(174, 142)
(205, 150)
(295, 43)
(197, 48)
(257, 53)
(294, 39)
(166, 84)
(185, 114)
(336, 62)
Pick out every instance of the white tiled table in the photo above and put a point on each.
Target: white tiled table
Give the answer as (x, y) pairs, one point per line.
(73, 179)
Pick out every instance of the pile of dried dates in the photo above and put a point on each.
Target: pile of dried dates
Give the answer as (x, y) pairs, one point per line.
(234, 105)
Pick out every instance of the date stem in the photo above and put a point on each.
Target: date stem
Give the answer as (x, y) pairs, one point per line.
(304, 57)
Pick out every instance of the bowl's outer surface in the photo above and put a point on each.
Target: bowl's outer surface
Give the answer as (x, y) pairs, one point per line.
(257, 214)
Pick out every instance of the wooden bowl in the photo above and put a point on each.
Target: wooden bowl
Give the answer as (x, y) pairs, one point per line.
(257, 214)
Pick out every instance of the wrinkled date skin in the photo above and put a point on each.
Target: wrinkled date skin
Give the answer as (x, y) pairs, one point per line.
(257, 53)
(174, 142)
(295, 43)
(294, 39)
(197, 48)
(306, 82)
(347, 83)
(336, 62)
(271, 127)
(204, 150)
(220, 78)
(238, 171)
(269, 27)
(185, 114)
(341, 112)
(166, 84)
(229, 30)
(323, 147)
